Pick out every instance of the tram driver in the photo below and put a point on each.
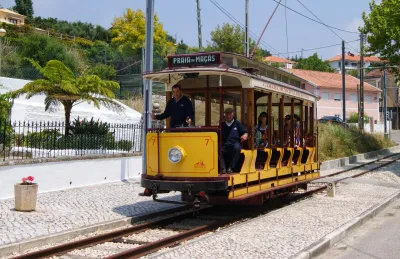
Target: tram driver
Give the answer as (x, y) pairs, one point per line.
(179, 108)
(233, 135)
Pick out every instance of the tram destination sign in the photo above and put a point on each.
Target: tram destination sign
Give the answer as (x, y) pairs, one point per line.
(193, 60)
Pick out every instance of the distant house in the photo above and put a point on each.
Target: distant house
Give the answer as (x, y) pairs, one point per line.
(352, 61)
(375, 78)
(282, 62)
(329, 88)
(10, 17)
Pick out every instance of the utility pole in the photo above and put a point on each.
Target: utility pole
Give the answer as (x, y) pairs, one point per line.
(361, 112)
(301, 53)
(384, 103)
(246, 33)
(343, 83)
(148, 87)
(199, 25)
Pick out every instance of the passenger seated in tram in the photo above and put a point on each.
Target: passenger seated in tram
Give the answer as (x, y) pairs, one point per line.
(287, 128)
(261, 140)
(296, 130)
(179, 108)
(260, 131)
(233, 135)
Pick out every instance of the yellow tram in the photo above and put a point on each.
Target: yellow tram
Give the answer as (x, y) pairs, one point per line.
(213, 82)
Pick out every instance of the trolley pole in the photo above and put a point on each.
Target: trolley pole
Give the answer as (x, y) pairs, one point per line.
(199, 25)
(343, 83)
(246, 43)
(148, 87)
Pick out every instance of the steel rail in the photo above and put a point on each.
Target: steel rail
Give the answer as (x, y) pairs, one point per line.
(83, 243)
(319, 189)
(175, 239)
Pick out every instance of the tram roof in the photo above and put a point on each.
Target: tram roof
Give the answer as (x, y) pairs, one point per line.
(216, 66)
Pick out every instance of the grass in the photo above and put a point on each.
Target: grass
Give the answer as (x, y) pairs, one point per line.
(333, 141)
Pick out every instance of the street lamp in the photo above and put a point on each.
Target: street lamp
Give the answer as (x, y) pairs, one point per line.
(2, 34)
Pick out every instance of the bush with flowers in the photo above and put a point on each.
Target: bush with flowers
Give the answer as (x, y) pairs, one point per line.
(28, 180)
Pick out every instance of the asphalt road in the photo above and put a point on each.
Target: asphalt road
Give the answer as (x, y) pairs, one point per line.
(378, 238)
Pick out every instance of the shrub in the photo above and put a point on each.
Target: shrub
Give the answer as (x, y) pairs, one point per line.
(89, 127)
(335, 141)
(354, 118)
(125, 145)
(44, 139)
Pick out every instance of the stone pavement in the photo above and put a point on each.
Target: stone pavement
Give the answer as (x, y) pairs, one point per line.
(76, 208)
(286, 232)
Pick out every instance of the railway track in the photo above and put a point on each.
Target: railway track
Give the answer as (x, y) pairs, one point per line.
(147, 238)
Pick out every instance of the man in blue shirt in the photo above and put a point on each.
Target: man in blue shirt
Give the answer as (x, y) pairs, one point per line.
(179, 108)
(233, 134)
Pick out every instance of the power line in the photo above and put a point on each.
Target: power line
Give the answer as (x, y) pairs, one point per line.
(314, 20)
(230, 16)
(239, 23)
(325, 25)
(323, 47)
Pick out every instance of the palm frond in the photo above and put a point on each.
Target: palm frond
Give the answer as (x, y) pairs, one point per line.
(51, 103)
(56, 71)
(36, 65)
(69, 86)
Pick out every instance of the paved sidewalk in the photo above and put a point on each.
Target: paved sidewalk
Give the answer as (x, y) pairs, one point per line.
(286, 232)
(76, 208)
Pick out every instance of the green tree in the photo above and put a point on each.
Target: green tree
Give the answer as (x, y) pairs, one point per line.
(43, 49)
(382, 25)
(129, 33)
(61, 87)
(24, 7)
(314, 63)
(77, 29)
(103, 71)
(230, 38)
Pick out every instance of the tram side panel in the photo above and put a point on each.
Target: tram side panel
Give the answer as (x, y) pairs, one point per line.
(182, 154)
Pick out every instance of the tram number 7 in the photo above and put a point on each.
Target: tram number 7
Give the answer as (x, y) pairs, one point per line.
(154, 141)
(207, 140)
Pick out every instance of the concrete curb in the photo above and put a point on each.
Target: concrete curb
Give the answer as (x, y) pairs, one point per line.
(340, 162)
(332, 238)
(22, 246)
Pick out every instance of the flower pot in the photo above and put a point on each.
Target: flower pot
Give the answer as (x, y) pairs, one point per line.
(25, 196)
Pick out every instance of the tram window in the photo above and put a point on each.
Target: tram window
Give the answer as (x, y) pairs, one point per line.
(199, 108)
(227, 61)
(271, 74)
(231, 99)
(241, 63)
(285, 79)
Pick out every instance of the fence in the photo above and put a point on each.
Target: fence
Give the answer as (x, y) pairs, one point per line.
(25, 140)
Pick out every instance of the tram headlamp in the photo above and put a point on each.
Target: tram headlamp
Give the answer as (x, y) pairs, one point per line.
(176, 154)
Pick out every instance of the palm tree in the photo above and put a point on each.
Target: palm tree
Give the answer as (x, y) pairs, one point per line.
(60, 86)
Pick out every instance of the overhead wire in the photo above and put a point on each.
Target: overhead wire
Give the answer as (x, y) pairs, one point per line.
(266, 45)
(323, 47)
(326, 25)
(305, 16)
(233, 18)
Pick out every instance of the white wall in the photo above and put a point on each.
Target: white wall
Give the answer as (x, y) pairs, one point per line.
(33, 109)
(378, 128)
(53, 176)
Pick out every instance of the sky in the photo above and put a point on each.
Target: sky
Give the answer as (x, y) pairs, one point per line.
(179, 18)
